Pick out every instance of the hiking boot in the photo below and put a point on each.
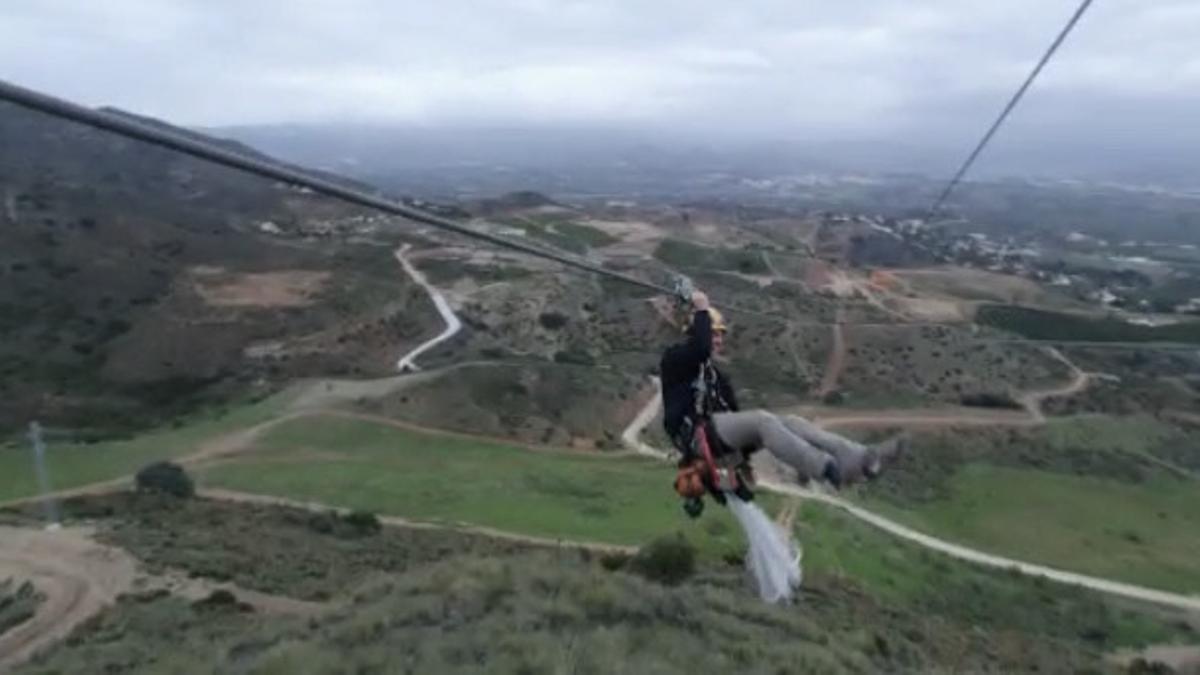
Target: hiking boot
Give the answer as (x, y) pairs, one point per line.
(884, 453)
(833, 474)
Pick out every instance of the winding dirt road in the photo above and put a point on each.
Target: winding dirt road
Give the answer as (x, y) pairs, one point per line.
(453, 323)
(632, 433)
(837, 356)
(407, 523)
(631, 436)
(1030, 415)
(1177, 600)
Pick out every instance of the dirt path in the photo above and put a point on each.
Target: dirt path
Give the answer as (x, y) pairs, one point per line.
(397, 521)
(478, 438)
(1185, 602)
(837, 357)
(1032, 400)
(320, 394)
(228, 447)
(78, 577)
(631, 436)
(1182, 659)
(917, 419)
(1030, 415)
(212, 450)
(453, 324)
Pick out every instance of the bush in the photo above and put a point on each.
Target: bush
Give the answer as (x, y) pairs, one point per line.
(614, 561)
(574, 355)
(989, 400)
(668, 560)
(835, 397)
(167, 478)
(552, 320)
(1141, 666)
(350, 526)
(363, 522)
(222, 600)
(17, 605)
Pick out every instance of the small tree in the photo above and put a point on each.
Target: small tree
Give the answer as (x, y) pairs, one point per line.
(166, 478)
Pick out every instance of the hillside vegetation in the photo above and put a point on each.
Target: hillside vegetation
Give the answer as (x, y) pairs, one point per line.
(18, 603)
(137, 285)
(1038, 324)
(433, 601)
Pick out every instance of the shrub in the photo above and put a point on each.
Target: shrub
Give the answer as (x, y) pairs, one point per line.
(222, 600)
(574, 355)
(989, 400)
(614, 561)
(167, 478)
(17, 605)
(835, 397)
(364, 522)
(668, 560)
(552, 320)
(1141, 666)
(349, 526)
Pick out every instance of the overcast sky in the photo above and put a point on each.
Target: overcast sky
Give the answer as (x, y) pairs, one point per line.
(834, 68)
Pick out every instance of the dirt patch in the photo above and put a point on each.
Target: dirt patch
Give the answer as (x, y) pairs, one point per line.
(959, 283)
(289, 288)
(628, 230)
(933, 309)
(77, 576)
(837, 358)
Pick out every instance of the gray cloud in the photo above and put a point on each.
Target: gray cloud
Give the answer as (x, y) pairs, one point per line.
(760, 68)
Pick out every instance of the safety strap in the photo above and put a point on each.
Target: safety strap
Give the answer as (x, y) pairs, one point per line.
(705, 393)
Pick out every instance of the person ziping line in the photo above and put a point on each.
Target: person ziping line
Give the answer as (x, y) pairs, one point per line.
(702, 417)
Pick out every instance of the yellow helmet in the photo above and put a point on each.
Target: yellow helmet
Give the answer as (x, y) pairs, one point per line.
(717, 318)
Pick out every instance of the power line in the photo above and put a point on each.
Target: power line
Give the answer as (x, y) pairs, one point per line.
(1012, 103)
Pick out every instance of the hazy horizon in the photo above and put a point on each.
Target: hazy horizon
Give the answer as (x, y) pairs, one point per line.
(885, 79)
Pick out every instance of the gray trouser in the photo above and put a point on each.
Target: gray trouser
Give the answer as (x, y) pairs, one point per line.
(794, 441)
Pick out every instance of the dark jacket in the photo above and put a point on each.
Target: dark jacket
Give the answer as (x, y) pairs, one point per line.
(681, 367)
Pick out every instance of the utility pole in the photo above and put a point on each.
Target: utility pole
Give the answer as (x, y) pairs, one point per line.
(49, 505)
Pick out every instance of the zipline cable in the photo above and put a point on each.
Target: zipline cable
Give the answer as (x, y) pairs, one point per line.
(172, 140)
(1012, 103)
(167, 138)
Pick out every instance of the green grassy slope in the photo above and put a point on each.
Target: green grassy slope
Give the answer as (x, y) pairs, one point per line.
(1145, 533)
(72, 464)
(438, 478)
